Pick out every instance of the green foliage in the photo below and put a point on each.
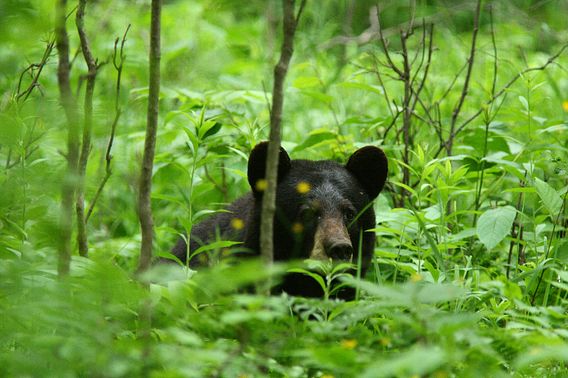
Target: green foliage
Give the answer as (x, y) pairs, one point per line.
(493, 225)
(469, 273)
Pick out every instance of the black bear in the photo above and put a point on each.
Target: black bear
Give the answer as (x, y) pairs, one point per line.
(322, 210)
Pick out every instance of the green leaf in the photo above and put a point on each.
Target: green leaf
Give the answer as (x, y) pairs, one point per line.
(220, 244)
(549, 196)
(417, 361)
(494, 225)
(524, 102)
(541, 353)
(315, 276)
(315, 137)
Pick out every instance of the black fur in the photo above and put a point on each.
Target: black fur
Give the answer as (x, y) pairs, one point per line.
(328, 190)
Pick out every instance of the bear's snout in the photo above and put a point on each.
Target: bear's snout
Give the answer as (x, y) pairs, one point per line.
(339, 250)
(331, 241)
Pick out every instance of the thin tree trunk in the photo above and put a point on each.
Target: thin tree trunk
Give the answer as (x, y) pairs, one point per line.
(145, 187)
(69, 106)
(87, 130)
(290, 23)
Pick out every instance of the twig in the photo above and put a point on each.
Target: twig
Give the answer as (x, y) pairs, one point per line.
(381, 82)
(35, 78)
(118, 62)
(393, 121)
(495, 59)
(385, 47)
(222, 189)
(465, 89)
(426, 69)
(406, 115)
(452, 83)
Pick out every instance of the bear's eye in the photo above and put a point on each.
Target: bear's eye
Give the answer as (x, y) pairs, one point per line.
(308, 213)
(349, 215)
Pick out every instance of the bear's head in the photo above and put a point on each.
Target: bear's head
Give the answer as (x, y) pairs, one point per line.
(323, 209)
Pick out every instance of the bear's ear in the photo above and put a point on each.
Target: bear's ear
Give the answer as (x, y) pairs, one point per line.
(257, 166)
(370, 166)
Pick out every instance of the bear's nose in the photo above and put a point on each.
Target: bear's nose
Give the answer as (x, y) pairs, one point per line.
(340, 251)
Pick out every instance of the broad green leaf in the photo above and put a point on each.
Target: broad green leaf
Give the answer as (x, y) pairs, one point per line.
(549, 196)
(208, 128)
(494, 225)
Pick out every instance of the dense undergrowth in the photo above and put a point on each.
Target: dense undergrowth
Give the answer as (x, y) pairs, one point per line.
(469, 275)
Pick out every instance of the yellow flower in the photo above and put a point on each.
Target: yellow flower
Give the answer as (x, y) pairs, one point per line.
(416, 277)
(534, 351)
(565, 105)
(297, 227)
(349, 344)
(261, 185)
(237, 224)
(327, 376)
(303, 187)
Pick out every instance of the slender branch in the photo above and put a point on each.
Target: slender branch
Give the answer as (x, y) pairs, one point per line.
(118, 62)
(495, 59)
(219, 187)
(92, 66)
(290, 23)
(382, 83)
(385, 47)
(393, 121)
(406, 116)
(452, 83)
(465, 89)
(35, 78)
(425, 72)
(145, 187)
